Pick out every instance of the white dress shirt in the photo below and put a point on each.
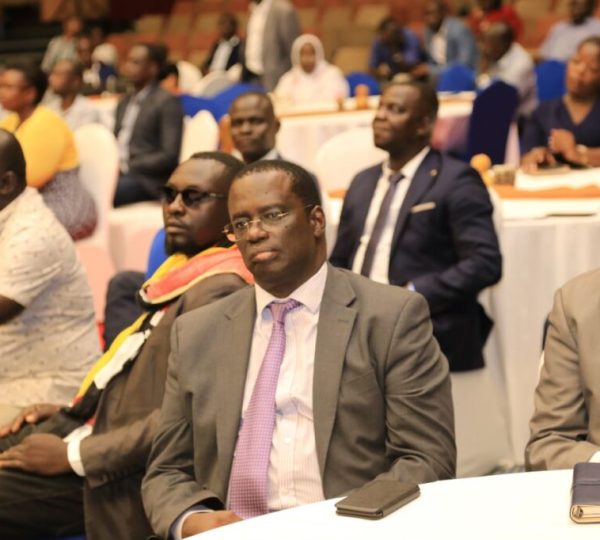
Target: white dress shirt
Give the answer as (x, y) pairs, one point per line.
(438, 44)
(294, 476)
(222, 54)
(254, 36)
(381, 261)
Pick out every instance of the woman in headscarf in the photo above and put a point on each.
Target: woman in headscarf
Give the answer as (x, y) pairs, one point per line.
(312, 79)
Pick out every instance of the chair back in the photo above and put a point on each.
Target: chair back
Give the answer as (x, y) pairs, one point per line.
(357, 77)
(98, 170)
(456, 78)
(189, 76)
(493, 112)
(550, 76)
(341, 157)
(200, 134)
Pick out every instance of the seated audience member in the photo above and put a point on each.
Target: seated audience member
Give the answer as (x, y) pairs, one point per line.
(272, 27)
(169, 78)
(103, 52)
(502, 58)
(148, 126)
(564, 37)
(489, 12)
(49, 148)
(433, 233)
(447, 41)
(366, 350)
(65, 82)
(226, 51)
(564, 427)
(48, 335)
(254, 128)
(312, 79)
(96, 74)
(63, 47)
(396, 49)
(566, 129)
(63, 466)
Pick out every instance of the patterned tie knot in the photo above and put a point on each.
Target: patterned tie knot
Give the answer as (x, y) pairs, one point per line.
(396, 177)
(280, 309)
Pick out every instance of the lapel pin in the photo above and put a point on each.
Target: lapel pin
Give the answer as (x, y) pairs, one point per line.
(433, 172)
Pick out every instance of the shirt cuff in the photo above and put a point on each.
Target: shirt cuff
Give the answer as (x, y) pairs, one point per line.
(74, 457)
(595, 457)
(178, 524)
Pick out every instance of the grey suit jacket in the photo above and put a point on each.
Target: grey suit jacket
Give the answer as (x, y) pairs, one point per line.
(281, 29)
(565, 427)
(382, 403)
(156, 138)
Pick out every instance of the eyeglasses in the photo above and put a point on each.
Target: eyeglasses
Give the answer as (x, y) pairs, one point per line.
(269, 220)
(190, 197)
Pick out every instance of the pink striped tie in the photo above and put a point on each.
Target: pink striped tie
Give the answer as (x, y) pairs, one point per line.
(248, 483)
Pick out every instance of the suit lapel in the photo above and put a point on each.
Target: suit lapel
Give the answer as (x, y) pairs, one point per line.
(364, 196)
(425, 176)
(336, 320)
(231, 375)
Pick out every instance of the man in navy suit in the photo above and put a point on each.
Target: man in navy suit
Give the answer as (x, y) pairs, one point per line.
(423, 220)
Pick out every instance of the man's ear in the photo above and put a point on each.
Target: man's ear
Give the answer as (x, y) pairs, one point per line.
(317, 220)
(277, 125)
(8, 183)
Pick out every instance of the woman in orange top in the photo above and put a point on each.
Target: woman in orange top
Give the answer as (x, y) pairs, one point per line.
(49, 148)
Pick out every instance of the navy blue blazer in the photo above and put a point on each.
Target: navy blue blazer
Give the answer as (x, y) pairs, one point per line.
(444, 243)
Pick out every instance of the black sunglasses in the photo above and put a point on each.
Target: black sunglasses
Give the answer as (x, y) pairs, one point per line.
(191, 197)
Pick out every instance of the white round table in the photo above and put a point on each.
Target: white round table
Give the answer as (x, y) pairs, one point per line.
(528, 506)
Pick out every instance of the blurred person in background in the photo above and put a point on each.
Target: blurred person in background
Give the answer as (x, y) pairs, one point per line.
(65, 82)
(312, 79)
(63, 46)
(49, 148)
(564, 37)
(148, 127)
(565, 130)
(488, 12)
(447, 41)
(502, 58)
(226, 51)
(272, 28)
(396, 49)
(96, 74)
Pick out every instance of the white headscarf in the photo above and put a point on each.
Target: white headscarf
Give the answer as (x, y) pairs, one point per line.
(325, 83)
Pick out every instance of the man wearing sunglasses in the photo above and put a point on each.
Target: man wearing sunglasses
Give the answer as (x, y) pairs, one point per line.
(61, 466)
(310, 384)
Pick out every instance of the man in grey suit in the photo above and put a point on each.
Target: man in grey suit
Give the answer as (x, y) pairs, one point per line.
(360, 390)
(148, 127)
(565, 427)
(272, 28)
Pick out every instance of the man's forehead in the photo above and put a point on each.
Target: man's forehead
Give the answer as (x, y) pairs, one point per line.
(204, 174)
(250, 106)
(400, 93)
(263, 184)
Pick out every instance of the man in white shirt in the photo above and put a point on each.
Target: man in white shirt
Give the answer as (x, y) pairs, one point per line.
(423, 220)
(311, 384)
(225, 53)
(565, 426)
(48, 334)
(272, 28)
(504, 59)
(564, 37)
(65, 82)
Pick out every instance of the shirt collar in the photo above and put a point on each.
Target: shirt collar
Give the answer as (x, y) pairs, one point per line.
(271, 154)
(410, 167)
(309, 294)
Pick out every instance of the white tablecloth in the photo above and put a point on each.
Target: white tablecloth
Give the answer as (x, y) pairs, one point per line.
(301, 136)
(526, 506)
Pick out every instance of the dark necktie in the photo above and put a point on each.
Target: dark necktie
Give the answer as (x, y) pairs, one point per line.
(377, 231)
